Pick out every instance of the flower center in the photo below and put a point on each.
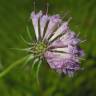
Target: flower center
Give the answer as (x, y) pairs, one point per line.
(39, 48)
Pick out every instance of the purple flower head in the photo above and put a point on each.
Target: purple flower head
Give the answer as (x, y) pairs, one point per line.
(56, 42)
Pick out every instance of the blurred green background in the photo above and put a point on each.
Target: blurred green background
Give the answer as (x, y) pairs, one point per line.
(21, 81)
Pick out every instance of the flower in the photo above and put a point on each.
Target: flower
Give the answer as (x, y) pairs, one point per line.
(56, 42)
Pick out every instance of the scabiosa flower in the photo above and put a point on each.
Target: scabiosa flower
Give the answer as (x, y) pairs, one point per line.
(56, 42)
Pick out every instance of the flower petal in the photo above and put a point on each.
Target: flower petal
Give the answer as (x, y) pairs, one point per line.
(56, 59)
(69, 38)
(62, 63)
(53, 24)
(43, 21)
(62, 29)
(35, 18)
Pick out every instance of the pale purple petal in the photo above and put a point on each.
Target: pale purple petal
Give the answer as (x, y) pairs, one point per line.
(54, 22)
(56, 59)
(62, 29)
(43, 21)
(69, 38)
(35, 17)
(57, 43)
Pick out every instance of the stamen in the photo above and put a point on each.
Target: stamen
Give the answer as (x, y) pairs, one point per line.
(70, 18)
(47, 5)
(65, 15)
(82, 41)
(34, 4)
(78, 35)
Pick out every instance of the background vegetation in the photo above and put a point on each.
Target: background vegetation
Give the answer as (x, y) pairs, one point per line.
(14, 17)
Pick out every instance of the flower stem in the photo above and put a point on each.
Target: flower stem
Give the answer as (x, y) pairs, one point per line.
(2, 74)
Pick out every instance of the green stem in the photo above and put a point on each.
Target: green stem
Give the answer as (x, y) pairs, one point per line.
(2, 74)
